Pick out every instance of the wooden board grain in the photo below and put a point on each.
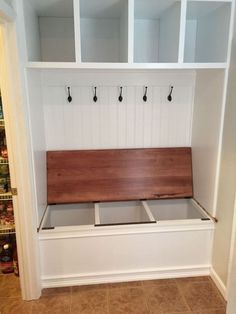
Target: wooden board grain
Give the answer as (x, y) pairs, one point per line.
(121, 174)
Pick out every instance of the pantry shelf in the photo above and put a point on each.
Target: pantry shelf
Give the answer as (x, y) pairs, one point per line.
(5, 229)
(6, 196)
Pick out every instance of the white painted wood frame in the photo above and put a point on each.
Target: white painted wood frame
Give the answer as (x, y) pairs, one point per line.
(18, 142)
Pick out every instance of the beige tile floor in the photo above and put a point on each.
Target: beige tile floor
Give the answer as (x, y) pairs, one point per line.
(170, 296)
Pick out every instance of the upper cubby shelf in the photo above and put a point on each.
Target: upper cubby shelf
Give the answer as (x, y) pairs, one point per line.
(127, 34)
(156, 30)
(104, 30)
(207, 31)
(49, 26)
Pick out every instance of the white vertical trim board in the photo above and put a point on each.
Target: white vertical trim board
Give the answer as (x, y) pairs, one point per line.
(21, 163)
(232, 249)
(130, 31)
(77, 31)
(220, 285)
(224, 99)
(182, 30)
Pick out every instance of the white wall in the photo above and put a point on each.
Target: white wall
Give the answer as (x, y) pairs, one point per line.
(212, 36)
(146, 35)
(231, 308)
(227, 186)
(100, 40)
(57, 39)
(190, 41)
(205, 135)
(169, 34)
(32, 32)
(83, 124)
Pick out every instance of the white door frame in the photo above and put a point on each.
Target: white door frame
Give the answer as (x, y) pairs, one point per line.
(20, 154)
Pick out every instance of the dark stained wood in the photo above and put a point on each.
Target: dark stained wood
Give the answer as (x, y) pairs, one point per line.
(115, 175)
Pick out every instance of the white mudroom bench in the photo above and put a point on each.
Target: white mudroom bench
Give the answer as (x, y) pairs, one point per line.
(122, 215)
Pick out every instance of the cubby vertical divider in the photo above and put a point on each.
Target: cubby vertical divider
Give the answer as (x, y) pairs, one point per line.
(131, 31)
(77, 31)
(183, 16)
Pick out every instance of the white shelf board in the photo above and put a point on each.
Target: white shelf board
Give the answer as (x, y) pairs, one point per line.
(121, 66)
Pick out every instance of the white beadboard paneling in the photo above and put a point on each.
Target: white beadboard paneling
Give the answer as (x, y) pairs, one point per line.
(108, 123)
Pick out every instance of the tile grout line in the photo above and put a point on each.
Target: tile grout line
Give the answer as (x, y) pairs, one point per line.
(181, 293)
(70, 300)
(108, 299)
(145, 298)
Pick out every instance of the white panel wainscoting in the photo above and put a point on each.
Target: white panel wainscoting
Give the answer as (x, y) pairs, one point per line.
(108, 123)
(123, 253)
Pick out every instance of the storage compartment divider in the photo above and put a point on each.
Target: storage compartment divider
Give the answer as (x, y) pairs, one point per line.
(148, 211)
(97, 216)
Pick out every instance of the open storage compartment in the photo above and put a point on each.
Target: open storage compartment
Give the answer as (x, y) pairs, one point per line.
(50, 30)
(156, 30)
(121, 213)
(104, 30)
(67, 215)
(175, 210)
(207, 31)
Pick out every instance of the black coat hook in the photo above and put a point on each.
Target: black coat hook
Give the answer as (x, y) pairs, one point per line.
(145, 94)
(95, 95)
(69, 98)
(169, 98)
(120, 97)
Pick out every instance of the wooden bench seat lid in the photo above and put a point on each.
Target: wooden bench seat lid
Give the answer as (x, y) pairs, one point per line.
(115, 175)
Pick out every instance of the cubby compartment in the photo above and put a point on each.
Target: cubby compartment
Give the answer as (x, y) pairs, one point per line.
(68, 215)
(156, 30)
(104, 30)
(175, 210)
(50, 30)
(207, 31)
(118, 213)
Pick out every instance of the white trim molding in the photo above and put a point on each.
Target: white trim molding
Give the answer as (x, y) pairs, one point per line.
(219, 283)
(18, 140)
(132, 275)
